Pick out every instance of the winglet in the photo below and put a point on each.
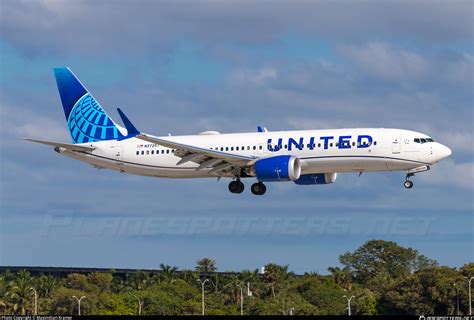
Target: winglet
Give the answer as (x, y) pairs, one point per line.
(262, 129)
(131, 130)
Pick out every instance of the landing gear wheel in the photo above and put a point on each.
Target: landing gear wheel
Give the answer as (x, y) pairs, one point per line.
(408, 184)
(236, 186)
(258, 188)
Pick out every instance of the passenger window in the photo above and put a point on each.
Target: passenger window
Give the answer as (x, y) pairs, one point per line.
(260, 147)
(236, 148)
(254, 147)
(152, 151)
(231, 148)
(138, 152)
(248, 147)
(226, 148)
(330, 144)
(375, 143)
(337, 144)
(353, 144)
(147, 152)
(168, 151)
(319, 145)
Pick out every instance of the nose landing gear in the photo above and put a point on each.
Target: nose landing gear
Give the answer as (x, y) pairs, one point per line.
(408, 183)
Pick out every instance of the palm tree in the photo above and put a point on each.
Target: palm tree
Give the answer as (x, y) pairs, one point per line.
(46, 285)
(168, 272)
(206, 265)
(342, 277)
(21, 291)
(275, 274)
(137, 280)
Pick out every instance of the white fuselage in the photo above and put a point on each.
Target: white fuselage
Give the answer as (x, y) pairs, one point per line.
(390, 150)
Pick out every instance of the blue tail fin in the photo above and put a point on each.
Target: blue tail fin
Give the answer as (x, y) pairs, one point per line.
(87, 121)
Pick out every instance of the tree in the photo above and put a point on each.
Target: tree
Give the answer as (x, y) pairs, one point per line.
(366, 303)
(383, 258)
(323, 293)
(342, 277)
(275, 274)
(206, 265)
(429, 291)
(20, 292)
(45, 285)
(168, 273)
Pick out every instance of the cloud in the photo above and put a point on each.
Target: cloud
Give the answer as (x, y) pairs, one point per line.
(386, 62)
(448, 173)
(85, 27)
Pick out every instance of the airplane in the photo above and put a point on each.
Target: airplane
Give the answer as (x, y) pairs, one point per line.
(305, 157)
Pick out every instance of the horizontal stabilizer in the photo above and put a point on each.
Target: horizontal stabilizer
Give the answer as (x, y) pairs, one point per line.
(131, 130)
(67, 146)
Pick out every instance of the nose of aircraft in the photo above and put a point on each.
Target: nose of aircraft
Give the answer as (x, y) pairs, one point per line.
(443, 152)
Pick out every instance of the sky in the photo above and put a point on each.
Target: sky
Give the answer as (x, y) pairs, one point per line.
(183, 67)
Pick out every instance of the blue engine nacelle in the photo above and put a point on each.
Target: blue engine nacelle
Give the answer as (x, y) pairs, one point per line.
(279, 168)
(317, 178)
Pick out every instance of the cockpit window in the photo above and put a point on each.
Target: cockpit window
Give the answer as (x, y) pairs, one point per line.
(423, 140)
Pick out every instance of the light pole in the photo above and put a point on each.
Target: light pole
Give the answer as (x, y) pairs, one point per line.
(457, 297)
(292, 309)
(241, 300)
(202, 291)
(470, 298)
(348, 304)
(79, 304)
(140, 303)
(36, 300)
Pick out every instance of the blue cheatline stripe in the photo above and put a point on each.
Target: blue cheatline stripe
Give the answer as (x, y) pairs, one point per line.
(105, 120)
(115, 133)
(135, 163)
(375, 157)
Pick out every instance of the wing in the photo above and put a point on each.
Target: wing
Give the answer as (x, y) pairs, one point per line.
(217, 162)
(67, 146)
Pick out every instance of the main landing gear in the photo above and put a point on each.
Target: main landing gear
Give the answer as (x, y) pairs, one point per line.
(258, 188)
(408, 183)
(237, 186)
